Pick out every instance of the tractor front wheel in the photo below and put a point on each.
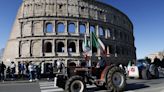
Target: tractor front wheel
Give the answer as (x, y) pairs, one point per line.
(116, 80)
(75, 84)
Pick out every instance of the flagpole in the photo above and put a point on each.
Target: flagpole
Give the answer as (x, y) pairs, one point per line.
(90, 61)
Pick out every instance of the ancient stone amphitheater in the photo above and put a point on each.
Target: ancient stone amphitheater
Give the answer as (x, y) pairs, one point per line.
(46, 30)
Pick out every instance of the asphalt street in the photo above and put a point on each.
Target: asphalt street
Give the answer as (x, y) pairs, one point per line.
(133, 85)
(19, 86)
(138, 85)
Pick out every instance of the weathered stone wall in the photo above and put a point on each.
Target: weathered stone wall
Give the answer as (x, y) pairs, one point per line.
(30, 40)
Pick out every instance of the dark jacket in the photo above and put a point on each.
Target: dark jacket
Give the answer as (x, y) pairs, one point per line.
(2, 67)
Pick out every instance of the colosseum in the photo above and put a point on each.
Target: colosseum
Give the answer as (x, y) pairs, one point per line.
(47, 30)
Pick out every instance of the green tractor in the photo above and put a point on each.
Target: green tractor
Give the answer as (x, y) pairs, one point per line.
(74, 79)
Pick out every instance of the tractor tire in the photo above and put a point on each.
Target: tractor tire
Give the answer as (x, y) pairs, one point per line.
(115, 80)
(145, 74)
(75, 84)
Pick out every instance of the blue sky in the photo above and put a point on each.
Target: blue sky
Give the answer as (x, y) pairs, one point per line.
(147, 17)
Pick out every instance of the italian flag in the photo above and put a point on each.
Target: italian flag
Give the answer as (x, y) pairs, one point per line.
(97, 43)
(94, 42)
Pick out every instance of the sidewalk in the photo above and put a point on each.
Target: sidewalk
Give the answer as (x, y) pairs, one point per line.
(7, 81)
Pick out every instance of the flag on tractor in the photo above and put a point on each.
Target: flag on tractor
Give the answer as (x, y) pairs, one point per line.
(129, 65)
(97, 43)
(94, 42)
(86, 47)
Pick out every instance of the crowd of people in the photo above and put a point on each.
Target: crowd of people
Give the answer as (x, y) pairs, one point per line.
(29, 71)
(156, 61)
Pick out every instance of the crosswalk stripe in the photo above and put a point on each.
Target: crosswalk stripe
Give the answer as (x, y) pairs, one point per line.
(49, 87)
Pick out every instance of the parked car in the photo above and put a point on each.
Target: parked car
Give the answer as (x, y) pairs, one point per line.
(144, 70)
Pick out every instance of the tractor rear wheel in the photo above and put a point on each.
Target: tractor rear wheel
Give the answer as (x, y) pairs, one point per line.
(116, 80)
(75, 84)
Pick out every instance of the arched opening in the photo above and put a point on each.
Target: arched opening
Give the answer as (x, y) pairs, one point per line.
(49, 28)
(117, 50)
(72, 47)
(60, 28)
(101, 31)
(60, 47)
(116, 34)
(92, 29)
(94, 49)
(123, 51)
(80, 46)
(82, 29)
(71, 64)
(71, 28)
(111, 50)
(121, 35)
(48, 47)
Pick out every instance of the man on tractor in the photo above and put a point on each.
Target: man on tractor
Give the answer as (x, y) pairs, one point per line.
(101, 63)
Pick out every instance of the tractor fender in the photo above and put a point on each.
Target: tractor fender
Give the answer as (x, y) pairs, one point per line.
(105, 72)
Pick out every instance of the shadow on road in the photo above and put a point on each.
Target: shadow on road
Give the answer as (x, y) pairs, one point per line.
(134, 86)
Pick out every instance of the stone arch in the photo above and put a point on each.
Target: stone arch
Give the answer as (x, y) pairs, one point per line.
(48, 47)
(118, 51)
(71, 64)
(116, 34)
(80, 46)
(72, 47)
(49, 27)
(111, 49)
(82, 29)
(121, 35)
(60, 27)
(101, 31)
(60, 47)
(92, 28)
(71, 28)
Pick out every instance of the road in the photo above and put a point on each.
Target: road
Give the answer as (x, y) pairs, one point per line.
(19, 86)
(133, 85)
(138, 85)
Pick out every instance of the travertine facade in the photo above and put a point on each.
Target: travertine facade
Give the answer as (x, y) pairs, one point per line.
(46, 30)
(159, 55)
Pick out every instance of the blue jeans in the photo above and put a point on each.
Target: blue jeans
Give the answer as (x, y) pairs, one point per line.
(2, 76)
(31, 73)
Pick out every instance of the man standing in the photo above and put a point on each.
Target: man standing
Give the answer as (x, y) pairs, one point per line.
(22, 69)
(31, 71)
(2, 71)
(12, 68)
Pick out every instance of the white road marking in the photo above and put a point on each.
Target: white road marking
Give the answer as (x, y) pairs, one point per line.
(49, 87)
